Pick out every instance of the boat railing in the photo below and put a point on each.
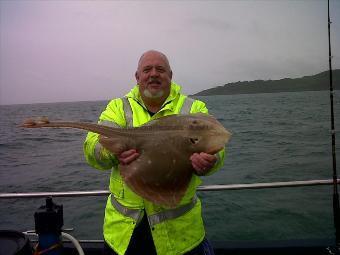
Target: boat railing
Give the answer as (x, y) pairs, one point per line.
(268, 185)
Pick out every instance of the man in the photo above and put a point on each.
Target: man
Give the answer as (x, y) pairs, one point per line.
(129, 225)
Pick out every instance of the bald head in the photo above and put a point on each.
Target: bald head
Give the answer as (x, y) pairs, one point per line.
(153, 53)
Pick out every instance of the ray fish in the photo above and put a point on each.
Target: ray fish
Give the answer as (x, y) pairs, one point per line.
(163, 170)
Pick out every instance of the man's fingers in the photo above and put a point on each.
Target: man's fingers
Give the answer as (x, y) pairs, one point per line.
(202, 162)
(199, 161)
(208, 157)
(127, 153)
(128, 156)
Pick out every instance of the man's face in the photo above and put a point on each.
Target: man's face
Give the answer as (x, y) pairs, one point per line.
(154, 76)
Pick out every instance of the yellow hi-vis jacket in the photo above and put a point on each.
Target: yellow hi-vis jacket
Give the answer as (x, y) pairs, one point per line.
(174, 231)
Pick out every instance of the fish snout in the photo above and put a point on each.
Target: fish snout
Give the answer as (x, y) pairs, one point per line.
(217, 142)
(227, 135)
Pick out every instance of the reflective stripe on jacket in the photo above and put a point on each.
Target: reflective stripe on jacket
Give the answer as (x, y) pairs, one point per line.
(174, 231)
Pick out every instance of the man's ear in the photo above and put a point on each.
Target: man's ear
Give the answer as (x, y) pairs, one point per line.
(136, 76)
(170, 74)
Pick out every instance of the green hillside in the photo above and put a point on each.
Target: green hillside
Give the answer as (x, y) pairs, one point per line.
(307, 83)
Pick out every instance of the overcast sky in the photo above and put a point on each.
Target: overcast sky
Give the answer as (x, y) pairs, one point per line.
(53, 51)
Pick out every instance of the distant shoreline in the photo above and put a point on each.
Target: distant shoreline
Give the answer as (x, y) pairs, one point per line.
(318, 82)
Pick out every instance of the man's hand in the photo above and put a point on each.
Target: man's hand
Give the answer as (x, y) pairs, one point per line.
(126, 157)
(202, 162)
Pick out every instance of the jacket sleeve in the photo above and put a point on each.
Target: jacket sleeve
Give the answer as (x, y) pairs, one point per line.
(95, 154)
(199, 106)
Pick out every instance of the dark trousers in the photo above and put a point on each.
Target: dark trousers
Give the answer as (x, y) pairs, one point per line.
(141, 243)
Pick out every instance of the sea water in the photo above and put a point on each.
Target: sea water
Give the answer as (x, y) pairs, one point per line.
(276, 137)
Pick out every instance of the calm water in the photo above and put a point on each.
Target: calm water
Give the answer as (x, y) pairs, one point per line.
(276, 137)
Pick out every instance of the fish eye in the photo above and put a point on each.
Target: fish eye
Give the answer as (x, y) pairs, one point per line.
(194, 125)
(194, 140)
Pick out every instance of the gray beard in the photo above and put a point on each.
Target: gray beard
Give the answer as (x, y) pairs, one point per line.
(148, 94)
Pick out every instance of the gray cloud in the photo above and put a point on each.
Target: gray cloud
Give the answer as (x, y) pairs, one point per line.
(90, 48)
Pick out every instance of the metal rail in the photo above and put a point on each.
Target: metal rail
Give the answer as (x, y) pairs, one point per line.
(200, 188)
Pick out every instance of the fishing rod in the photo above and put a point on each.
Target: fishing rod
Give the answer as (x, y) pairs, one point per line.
(336, 207)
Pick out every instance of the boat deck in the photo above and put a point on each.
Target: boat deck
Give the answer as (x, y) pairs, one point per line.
(290, 247)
